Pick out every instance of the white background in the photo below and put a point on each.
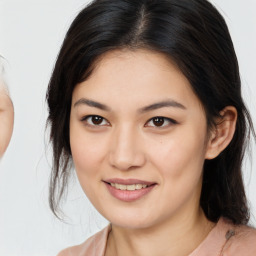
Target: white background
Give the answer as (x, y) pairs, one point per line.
(31, 32)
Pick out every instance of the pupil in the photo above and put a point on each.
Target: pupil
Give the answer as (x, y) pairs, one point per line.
(97, 120)
(158, 121)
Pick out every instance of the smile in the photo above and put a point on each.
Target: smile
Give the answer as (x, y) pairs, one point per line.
(129, 190)
(128, 187)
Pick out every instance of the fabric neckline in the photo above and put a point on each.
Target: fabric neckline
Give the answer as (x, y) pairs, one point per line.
(219, 234)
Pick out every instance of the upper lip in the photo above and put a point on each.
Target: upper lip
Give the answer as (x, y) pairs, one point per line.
(129, 181)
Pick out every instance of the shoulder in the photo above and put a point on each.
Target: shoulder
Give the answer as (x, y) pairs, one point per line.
(242, 242)
(68, 251)
(94, 246)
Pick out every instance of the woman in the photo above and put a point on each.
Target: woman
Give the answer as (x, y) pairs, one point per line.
(6, 114)
(153, 120)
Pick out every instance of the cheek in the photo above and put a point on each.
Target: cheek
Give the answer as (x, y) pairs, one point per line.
(86, 153)
(86, 159)
(181, 154)
(179, 161)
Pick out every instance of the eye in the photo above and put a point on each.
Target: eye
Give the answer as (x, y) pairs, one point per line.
(160, 121)
(94, 120)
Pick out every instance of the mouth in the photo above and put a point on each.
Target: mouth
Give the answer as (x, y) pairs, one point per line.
(130, 189)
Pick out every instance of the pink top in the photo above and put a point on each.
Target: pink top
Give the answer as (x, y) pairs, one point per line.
(225, 239)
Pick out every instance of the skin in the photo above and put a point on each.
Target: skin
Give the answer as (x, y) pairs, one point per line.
(6, 119)
(128, 144)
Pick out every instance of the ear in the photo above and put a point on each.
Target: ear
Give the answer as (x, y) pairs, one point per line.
(223, 132)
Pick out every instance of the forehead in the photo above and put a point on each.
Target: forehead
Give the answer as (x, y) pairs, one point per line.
(136, 76)
(137, 62)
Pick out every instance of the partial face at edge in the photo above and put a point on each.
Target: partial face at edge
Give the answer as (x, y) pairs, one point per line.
(137, 120)
(6, 119)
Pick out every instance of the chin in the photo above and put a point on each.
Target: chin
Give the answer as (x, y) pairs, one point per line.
(131, 219)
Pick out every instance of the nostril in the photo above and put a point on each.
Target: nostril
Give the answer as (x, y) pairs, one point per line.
(126, 160)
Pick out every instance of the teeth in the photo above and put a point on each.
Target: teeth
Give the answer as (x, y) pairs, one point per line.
(138, 186)
(122, 187)
(128, 187)
(131, 187)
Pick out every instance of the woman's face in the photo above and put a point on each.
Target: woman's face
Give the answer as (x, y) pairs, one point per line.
(138, 138)
(6, 119)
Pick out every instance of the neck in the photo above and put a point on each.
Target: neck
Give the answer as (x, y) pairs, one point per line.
(177, 237)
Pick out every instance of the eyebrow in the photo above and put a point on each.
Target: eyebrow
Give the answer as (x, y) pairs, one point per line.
(162, 104)
(91, 103)
(154, 106)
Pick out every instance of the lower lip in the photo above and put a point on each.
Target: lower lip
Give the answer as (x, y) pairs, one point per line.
(128, 195)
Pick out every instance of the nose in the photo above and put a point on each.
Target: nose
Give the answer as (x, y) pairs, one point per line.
(126, 149)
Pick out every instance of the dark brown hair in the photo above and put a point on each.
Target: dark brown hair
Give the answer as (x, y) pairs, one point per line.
(195, 36)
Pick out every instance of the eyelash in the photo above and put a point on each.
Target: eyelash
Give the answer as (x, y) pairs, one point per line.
(106, 122)
(85, 119)
(161, 119)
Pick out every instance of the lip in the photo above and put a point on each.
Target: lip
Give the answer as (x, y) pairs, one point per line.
(129, 195)
(129, 181)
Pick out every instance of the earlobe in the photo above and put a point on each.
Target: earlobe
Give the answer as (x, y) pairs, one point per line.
(222, 133)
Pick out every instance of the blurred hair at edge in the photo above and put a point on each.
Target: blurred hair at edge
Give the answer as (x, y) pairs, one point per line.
(193, 35)
(6, 112)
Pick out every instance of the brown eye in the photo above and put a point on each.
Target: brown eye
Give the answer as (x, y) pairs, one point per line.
(97, 120)
(160, 121)
(94, 120)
